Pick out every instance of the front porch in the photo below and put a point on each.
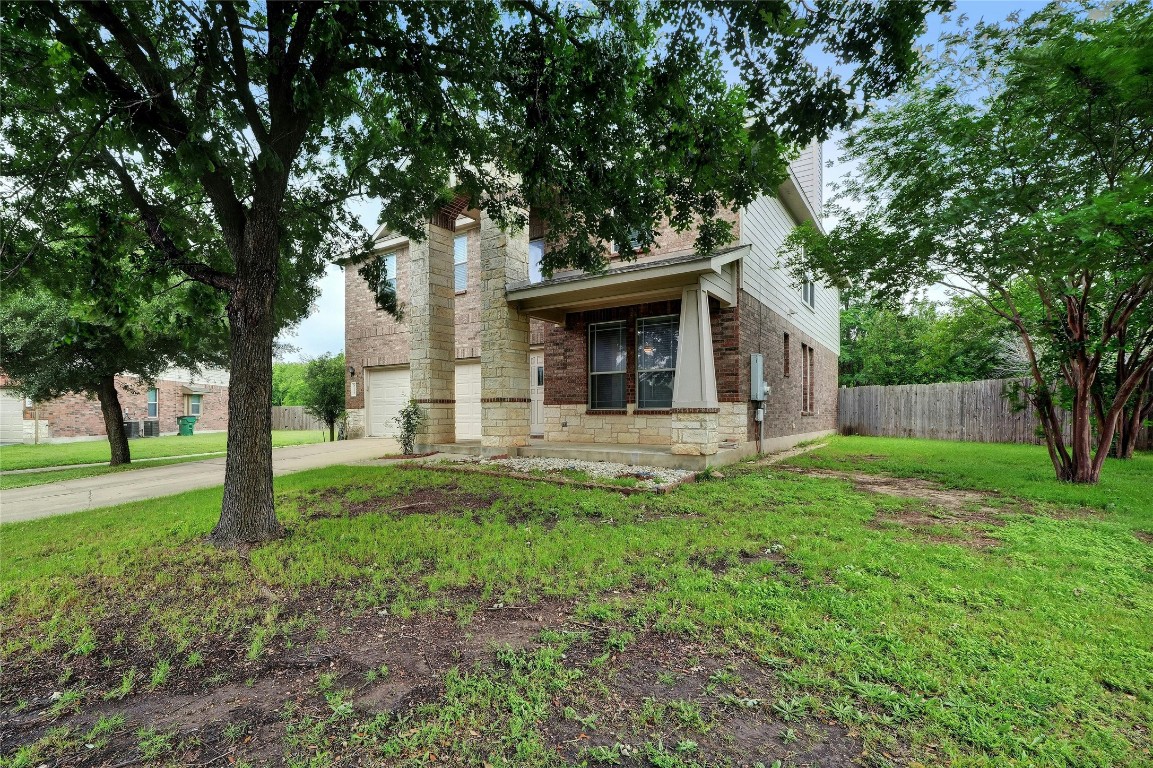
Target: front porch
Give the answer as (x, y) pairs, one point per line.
(632, 455)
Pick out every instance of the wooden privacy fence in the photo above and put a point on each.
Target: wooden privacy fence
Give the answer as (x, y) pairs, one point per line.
(294, 417)
(980, 411)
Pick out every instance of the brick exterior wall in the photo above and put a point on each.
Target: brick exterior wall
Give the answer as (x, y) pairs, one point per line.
(373, 338)
(738, 332)
(761, 330)
(75, 415)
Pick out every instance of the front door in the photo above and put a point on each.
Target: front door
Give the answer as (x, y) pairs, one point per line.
(536, 393)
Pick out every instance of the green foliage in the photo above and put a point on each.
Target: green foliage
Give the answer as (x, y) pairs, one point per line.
(324, 379)
(918, 343)
(237, 134)
(408, 422)
(1020, 172)
(288, 387)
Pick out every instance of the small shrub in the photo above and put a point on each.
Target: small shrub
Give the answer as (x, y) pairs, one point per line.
(409, 420)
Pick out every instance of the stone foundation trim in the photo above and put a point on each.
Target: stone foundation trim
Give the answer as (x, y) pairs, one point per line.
(506, 399)
(615, 412)
(652, 412)
(694, 410)
(433, 401)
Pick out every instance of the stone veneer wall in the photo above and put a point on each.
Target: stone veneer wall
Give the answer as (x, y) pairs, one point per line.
(374, 338)
(573, 423)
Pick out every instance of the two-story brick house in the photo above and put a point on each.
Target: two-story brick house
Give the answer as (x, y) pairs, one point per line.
(654, 356)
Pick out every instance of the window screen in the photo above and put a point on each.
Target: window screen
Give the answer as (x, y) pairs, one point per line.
(460, 262)
(153, 403)
(194, 405)
(657, 339)
(607, 354)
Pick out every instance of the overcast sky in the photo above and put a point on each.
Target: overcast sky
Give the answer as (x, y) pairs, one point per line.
(323, 330)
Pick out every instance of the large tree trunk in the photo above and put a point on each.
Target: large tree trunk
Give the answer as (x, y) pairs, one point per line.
(113, 421)
(332, 431)
(248, 512)
(1083, 469)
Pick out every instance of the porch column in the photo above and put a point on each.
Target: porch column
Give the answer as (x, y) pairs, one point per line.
(695, 409)
(432, 332)
(504, 339)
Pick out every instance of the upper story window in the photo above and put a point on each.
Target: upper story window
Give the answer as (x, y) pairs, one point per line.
(607, 357)
(388, 270)
(632, 246)
(153, 403)
(460, 263)
(809, 292)
(656, 360)
(535, 258)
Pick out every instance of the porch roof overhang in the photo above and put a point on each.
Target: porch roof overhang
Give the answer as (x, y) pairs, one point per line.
(634, 283)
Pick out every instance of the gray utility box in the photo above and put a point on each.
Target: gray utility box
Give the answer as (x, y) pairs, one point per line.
(758, 389)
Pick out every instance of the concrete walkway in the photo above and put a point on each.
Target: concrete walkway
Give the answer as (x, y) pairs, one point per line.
(83, 493)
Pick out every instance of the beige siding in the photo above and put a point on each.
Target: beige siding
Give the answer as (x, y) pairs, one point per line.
(809, 171)
(764, 225)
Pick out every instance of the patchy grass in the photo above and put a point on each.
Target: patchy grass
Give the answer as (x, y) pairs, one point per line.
(412, 616)
(1021, 471)
(97, 451)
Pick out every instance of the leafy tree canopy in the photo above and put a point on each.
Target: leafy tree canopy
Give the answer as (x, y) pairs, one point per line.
(266, 119)
(918, 342)
(288, 383)
(324, 390)
(1020, 171)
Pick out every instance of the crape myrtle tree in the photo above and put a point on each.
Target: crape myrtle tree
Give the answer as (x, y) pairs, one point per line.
(604, 116)
(92, 310)
(1020, 172)
(324, 389)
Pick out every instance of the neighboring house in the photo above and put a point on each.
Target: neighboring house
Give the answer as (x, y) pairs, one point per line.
(650, 361)
(149, 410)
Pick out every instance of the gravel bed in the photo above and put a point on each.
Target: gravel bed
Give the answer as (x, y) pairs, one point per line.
(646, 477)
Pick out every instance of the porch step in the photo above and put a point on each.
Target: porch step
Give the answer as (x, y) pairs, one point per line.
(633, 455)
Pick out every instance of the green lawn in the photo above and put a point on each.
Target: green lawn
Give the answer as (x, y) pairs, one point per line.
(766, 611)
(95, 451)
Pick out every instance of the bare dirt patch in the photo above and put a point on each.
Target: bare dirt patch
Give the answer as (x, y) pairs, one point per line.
(234, 708)
(942, 514)
(437, 500)
(1144, 536)
(665, 692)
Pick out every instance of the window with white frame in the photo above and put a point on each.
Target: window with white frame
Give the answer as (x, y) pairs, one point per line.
(535, 259)
(460, 263)
(656, 360)
(388, 268)
(194, 405)
(607, 361)
(809, 292)
(153, 403)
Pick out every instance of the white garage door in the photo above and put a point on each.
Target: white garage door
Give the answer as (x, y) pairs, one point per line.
(468, 401)
(11, 416)
(387, 393)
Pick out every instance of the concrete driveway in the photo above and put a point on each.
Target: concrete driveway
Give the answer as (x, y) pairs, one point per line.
(136, 485)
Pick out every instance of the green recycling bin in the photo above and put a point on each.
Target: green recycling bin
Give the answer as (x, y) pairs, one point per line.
(185, 424)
